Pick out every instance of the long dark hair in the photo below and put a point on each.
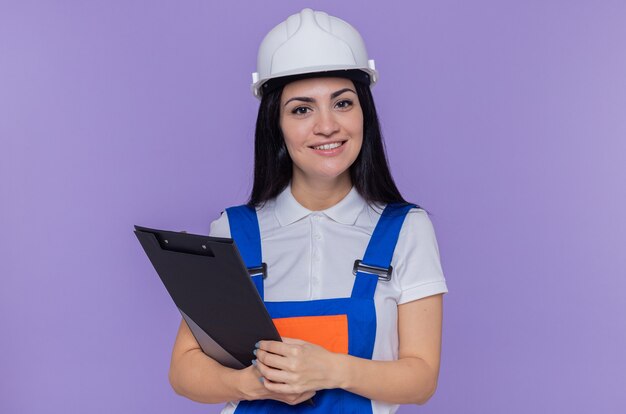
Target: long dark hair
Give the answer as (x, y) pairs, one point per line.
(273, 166)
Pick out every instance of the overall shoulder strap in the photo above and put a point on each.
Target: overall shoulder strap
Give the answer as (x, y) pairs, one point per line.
(244, 229)
(380, 249)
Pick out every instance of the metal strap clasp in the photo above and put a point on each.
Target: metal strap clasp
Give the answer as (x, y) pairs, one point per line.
(261, 270)
(383, 273)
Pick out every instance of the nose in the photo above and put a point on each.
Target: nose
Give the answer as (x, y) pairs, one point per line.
(326, 124)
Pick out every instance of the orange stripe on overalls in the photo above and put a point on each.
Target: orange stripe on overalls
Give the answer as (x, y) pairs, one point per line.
(330, 331)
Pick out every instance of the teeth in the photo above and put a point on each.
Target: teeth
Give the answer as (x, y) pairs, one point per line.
(328, 146)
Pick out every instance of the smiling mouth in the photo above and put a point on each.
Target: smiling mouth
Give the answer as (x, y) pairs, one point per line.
(330, 146)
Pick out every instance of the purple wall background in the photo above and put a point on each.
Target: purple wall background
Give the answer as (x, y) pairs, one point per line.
(506, 119)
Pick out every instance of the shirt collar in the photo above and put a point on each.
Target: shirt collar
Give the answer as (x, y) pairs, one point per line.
(288, 210)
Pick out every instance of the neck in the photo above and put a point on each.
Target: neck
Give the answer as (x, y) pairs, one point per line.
(316, 194)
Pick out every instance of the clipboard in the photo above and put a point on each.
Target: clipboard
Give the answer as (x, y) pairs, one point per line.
(211, 287)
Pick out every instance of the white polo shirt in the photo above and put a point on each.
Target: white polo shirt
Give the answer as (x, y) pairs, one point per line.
(310, 255)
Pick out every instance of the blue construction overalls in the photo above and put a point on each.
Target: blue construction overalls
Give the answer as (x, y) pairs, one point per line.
(351, 320)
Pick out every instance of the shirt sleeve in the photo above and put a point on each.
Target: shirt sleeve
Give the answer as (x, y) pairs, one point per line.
(417, 265)
(220, 227)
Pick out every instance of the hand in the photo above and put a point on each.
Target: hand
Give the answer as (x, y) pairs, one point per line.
(252, 387)
(296, 366)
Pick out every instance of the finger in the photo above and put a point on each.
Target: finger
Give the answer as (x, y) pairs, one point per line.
(271, 374)
(272, 360)
(293, 341)
(276, 347)
(281, 388)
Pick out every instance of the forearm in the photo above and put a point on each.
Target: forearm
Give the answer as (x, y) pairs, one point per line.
(198, 377)
(202, 379)
(408, 380)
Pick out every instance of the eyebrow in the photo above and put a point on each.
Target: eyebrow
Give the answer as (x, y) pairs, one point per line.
(307, 99)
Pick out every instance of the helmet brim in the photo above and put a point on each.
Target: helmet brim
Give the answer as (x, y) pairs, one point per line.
(354, 75)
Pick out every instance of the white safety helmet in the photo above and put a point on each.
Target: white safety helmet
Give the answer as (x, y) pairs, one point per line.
(311, 42)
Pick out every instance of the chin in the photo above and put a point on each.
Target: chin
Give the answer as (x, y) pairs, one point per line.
(332, 175)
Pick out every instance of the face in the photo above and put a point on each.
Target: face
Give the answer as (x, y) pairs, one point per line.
(322, 122)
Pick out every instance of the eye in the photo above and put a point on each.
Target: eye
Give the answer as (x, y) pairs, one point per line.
(300, 110)
(344, 104)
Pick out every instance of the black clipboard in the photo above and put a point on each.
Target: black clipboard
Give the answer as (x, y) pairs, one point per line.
(210, 284)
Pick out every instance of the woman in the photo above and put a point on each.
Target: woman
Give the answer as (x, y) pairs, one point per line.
(324, 204)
